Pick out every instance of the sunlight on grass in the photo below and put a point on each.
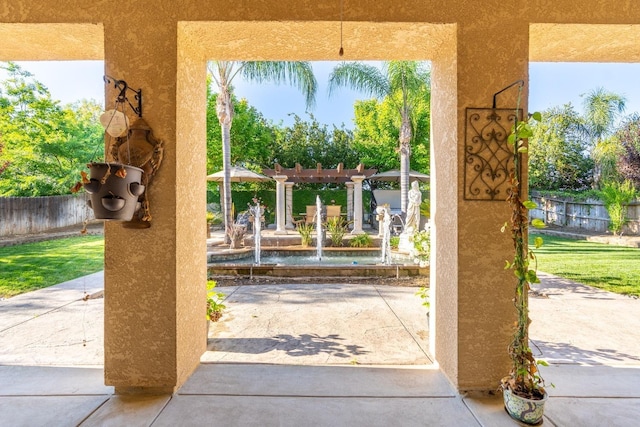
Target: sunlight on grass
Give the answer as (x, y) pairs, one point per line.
(612, 268)
(37, 265)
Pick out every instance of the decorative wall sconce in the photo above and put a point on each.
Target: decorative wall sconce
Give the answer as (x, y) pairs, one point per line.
(488, 159)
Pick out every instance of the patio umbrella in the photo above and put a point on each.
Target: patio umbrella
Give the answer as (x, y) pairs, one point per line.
(394, 175)
(239, 174)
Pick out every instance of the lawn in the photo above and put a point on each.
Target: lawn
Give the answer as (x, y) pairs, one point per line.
(33, 266)
(612, 268)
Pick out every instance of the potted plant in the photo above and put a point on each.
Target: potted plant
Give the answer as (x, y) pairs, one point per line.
(210, 218)
(114, 189)
(305, 230)
(523, 389)
(117, 186)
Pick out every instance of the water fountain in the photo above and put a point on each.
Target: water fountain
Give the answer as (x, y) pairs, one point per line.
(256, 211)
(319, 235)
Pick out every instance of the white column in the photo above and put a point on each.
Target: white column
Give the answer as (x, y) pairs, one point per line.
(349, 201)
(280, 205)
(357, 204)
(289, 212)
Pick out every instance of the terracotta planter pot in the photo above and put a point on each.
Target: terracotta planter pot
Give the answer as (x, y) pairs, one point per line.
(528, 411)
(117, 198)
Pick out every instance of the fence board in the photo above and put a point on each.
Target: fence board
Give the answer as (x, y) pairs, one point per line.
(24, 215)
(589, 215)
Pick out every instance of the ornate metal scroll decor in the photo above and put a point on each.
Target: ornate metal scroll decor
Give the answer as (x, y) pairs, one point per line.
(487, 155)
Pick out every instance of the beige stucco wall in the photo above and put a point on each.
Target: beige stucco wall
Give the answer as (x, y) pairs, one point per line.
(154, 278)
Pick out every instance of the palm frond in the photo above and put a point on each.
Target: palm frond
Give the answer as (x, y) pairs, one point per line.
(296, 73)
(361, 77)
(601, 110)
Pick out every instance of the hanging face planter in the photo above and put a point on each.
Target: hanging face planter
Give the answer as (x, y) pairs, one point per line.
(117, 188)
(114, 190)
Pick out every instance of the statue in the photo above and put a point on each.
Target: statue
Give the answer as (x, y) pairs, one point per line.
(412, 222)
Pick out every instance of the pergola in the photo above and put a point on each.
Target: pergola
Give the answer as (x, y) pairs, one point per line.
(287, 177)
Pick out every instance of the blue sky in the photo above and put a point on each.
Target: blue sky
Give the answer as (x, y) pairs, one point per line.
(551, 84)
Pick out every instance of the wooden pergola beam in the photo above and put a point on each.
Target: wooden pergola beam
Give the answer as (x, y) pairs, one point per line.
(319, 175)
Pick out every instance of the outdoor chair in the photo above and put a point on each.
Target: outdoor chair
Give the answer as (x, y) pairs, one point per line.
(310, 217)
(333, 211)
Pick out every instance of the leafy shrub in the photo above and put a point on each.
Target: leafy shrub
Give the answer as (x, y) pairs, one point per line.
(337, 227)
(305, 231)
(361, 241)
(394, 242)
(617, 197)
(423, 293)
(421, 250)
(214, 302)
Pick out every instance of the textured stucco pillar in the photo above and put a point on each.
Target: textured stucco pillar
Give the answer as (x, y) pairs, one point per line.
(471, 312)
(155, 327)
(289, 211)
(357, 204)
(349, 201)
(280, 204)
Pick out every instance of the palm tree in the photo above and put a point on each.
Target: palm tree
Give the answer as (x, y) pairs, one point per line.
(602, 108)
(399, 82)
(299, 74)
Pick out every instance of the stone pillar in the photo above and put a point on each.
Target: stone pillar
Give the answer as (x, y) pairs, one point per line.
(280, 204)
(357, 204)
(289, 211)
(349, 201)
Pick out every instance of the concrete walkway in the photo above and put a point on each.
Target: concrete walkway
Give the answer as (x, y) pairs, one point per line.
(362, 362)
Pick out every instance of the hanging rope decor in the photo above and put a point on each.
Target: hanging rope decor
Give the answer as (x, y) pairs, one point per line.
(341, 51)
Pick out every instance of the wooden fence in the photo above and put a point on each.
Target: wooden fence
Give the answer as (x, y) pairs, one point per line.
(588, 215)
(23, 215)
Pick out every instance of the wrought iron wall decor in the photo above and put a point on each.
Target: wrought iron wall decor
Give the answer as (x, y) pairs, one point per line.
(487, 155)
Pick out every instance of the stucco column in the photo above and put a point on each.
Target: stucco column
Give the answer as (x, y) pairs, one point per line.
(468, 250)
(155, 280)
(289, 211)
(357, 204)
(349, 201)
(280, 204)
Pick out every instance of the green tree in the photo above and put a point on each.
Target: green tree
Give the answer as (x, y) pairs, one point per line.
(558, 154)
(309, 143)
(403, 84)
(253, 138)
(222, 73)
(45, 145)
(602, 109)
(628, 150)
(377, 132)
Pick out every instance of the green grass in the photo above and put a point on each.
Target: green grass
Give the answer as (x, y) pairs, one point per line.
(33, 266)
(612, 268)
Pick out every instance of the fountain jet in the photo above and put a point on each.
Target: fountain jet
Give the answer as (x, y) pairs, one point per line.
(319, 228)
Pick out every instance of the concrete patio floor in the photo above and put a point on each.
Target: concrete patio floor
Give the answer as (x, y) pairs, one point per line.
(363, 361)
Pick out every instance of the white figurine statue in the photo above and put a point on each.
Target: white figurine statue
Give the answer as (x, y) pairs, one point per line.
(412, 222)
